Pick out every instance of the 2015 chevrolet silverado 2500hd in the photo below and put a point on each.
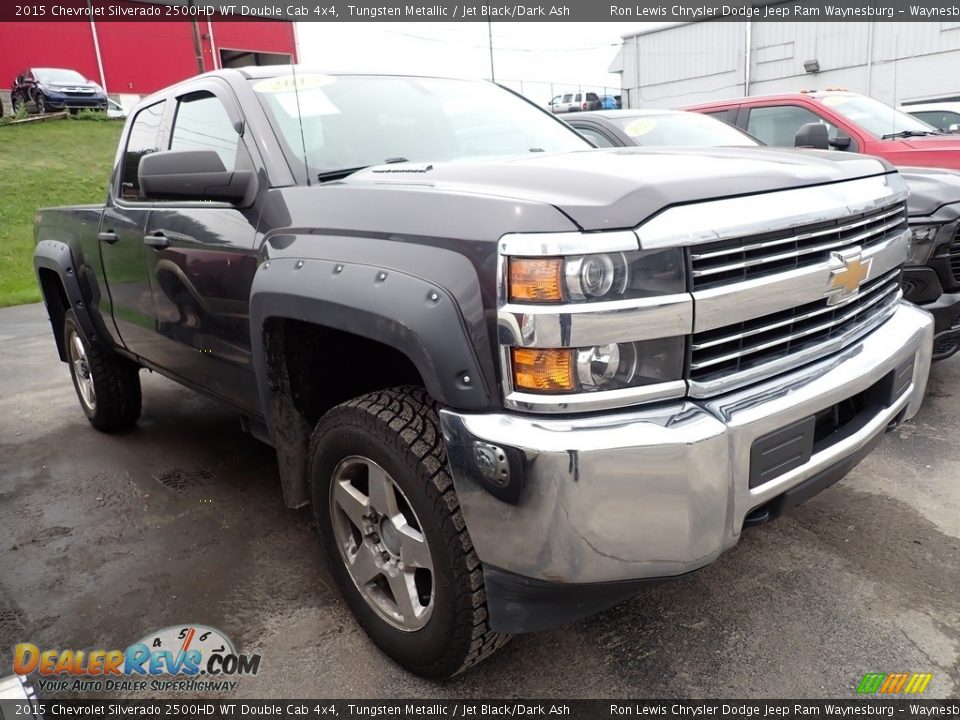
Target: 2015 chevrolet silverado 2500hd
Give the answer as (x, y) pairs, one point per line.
(515, 377)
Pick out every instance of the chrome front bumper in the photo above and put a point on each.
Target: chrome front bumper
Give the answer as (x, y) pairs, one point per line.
(651, 493)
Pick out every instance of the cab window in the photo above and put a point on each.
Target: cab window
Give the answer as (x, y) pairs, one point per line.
(940, 119)
(594, 136)
(202, 123)
(142, 140)
(778, 125)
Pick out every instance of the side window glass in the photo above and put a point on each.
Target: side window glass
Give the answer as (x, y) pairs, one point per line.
(598, 139)
(202, 123)
(778, 125)
(723, 115)
(567, 98)
(143, 139)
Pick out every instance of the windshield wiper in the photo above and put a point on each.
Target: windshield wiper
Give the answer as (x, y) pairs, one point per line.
(339, 174)
(907, 133)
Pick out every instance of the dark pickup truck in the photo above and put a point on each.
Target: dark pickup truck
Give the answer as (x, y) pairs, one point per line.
(515, 377)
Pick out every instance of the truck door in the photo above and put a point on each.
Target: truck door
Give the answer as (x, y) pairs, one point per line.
(201, 261)
(121, 237)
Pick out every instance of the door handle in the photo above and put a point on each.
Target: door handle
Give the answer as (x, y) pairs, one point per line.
(109, 237)
(158, 241)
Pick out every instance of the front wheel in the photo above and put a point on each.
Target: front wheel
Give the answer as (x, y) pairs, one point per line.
(393, 533)
(41, 104)
(107, 385)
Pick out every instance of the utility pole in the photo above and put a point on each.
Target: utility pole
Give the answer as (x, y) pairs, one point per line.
(490, 44)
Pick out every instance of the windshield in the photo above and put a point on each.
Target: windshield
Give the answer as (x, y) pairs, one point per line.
(875, 117)
(681, 129)
(358, 121)
(56, 76)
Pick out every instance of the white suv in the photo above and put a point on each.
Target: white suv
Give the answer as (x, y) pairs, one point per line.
(575, 102)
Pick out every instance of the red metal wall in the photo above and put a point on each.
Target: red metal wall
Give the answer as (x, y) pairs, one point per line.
(46, 44)
(138, 57)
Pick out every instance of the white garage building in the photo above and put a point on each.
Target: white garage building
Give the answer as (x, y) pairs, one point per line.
(686, 63)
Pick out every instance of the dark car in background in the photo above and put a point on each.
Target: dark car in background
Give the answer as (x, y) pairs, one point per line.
(44, 90)
(932, 274)
(656, 128)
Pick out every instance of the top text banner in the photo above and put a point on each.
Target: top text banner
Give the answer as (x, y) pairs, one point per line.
(483, 10)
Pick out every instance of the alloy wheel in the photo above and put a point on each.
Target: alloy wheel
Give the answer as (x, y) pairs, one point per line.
(381, 543)
(81, 373)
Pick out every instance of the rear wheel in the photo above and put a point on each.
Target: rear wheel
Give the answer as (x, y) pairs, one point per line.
(393, 533)
(107, 385)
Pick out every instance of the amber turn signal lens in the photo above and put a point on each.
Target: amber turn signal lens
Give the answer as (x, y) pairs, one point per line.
(536, 279)
(543, 370)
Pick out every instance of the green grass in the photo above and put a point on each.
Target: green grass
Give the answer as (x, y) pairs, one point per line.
(59, 162)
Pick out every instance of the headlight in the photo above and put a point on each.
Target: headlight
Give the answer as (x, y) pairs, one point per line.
(595, 277)
(922, 238)
(603, 367)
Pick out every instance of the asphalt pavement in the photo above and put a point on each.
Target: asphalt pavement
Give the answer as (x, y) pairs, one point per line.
(104, 539)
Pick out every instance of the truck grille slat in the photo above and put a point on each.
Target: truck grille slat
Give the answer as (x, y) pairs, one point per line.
(872, 290)
(729, 261)
(734, 348)
(954, 254)
(801, 236)
(867, 237)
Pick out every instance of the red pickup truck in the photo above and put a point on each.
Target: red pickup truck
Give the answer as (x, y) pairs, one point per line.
(854, 123)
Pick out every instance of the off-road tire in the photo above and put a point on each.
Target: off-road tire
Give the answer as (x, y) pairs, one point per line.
(116, 381)
(399, 429)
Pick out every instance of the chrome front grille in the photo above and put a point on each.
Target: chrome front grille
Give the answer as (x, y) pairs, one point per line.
(792, 336)
(731, 261)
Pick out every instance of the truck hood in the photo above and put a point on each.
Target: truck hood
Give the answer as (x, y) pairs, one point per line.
(621, 187)
(930, 189)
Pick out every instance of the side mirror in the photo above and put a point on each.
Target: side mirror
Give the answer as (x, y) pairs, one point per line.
(191, 175)
(812, 135)
(955, 128)
(841, 141)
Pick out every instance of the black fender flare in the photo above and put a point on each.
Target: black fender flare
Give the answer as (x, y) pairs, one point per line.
(419, 318)
(57, 256)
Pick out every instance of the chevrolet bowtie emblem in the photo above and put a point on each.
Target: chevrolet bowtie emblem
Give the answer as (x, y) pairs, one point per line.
(848, 270)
